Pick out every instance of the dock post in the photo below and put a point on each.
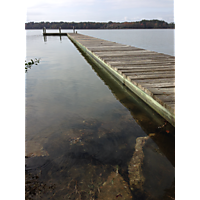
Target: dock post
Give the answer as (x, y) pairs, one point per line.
(60, 30)
(73, 29)
(44, 30)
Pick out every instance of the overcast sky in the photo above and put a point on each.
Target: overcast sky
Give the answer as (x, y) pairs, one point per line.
(99, 10)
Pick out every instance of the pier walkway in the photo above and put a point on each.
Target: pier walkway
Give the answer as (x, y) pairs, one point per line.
(148, 74)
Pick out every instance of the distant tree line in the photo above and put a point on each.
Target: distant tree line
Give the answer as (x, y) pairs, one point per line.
(144, 24)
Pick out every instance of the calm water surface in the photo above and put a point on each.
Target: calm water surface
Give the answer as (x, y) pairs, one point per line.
(87, 136)
(159, 40)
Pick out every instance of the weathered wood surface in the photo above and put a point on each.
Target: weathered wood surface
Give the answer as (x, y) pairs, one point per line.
(152, 72)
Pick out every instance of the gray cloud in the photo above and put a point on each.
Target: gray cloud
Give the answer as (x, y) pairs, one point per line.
(100, 10)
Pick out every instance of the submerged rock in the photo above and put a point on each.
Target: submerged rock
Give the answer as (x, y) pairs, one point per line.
(35, 149)
(134, 168)
(114, 188)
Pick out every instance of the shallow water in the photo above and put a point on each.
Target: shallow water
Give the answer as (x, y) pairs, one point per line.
(84, 130)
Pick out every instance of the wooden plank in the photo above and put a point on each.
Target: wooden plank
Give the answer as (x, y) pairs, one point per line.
(171, 104)
(147, 73)
(102, 47)
(120, 53)
(99, 43)
(115, 63)
(150, 66)
(137, 58)
(131, 58)
(112, 49)
(160, 80)
(161, 91)
(133, 70)
(159, 85)
(166, 98)
(145, 65)
(134, 53)
(150, 76)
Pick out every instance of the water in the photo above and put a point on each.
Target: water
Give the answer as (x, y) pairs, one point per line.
(87, 136)
(159, 40)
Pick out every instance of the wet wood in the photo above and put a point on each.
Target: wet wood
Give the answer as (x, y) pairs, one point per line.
(151, 72)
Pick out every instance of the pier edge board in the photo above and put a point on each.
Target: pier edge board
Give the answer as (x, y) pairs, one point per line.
(166, 114)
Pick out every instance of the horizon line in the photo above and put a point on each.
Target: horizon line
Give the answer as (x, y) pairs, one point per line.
(100, 21)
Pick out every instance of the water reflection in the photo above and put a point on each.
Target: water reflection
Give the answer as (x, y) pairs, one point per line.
(45, 38)
(80, 156)
(162, 132)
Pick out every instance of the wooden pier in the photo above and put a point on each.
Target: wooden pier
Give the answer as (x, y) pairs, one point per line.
(148, 74)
